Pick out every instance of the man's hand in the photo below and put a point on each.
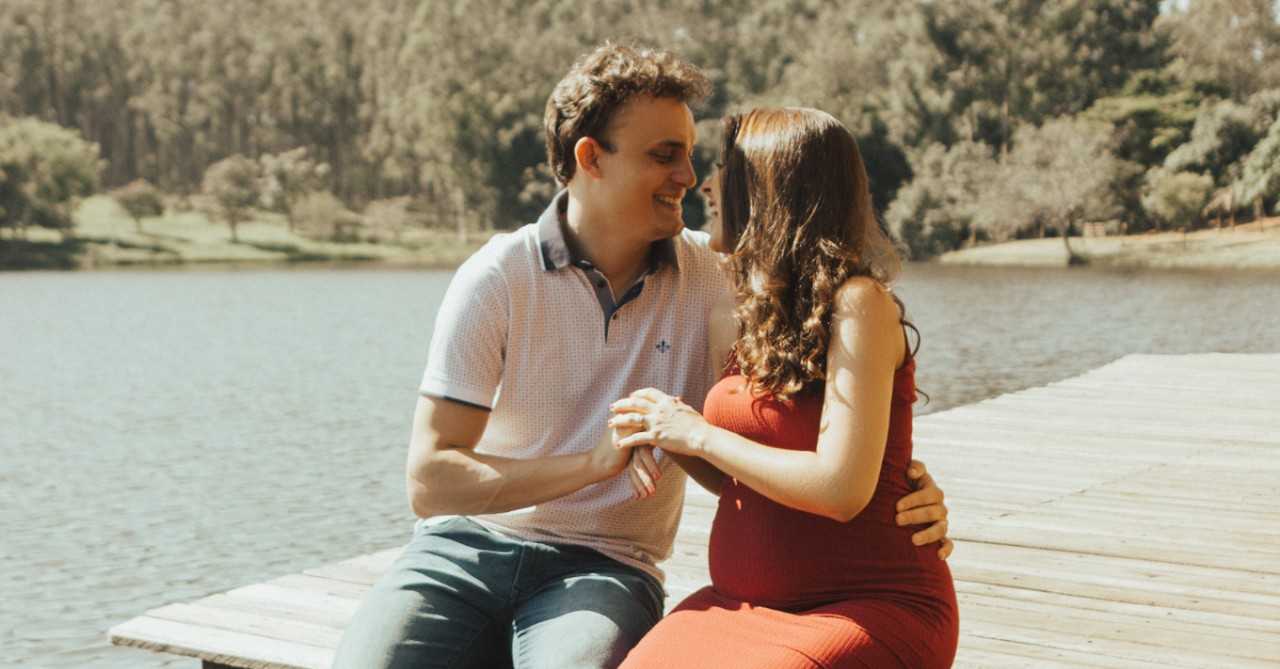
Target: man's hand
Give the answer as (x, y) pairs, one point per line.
(607, 460)
(925, 506)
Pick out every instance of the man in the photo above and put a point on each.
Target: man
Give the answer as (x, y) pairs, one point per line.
(536, 551)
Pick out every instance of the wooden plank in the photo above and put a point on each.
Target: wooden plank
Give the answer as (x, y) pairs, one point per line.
(303, 605)
(1168, 533)
(1121, 579)
(1064, 623)
(232, 649)
(980, 652)
(266, 625)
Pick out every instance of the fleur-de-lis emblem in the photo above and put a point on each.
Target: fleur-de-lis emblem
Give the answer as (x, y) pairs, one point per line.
(664, 346)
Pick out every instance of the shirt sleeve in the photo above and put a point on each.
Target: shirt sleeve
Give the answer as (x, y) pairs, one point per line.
(468, 345)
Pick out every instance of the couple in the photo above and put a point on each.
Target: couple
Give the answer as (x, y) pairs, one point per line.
(544, 529)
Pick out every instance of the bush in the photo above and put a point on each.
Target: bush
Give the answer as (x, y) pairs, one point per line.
(934, 213)
(141, 200)
(44, 169)
(232, 183)
(321, 215)
(1179, 199)
(388, 217)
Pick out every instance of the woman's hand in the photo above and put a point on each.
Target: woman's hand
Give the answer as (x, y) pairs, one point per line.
(643, 472)
(658, 419)
(640, 465)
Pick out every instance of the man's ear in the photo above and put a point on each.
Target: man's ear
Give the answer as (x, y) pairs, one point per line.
(587, 152)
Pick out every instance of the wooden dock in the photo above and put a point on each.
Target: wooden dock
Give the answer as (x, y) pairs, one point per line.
(1123, 518)
(1129, 517)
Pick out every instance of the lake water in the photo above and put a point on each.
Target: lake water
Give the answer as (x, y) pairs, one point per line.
(165, 435)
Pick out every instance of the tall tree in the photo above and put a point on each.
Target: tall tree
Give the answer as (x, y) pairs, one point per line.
(1259, 181)
(1179, 199)
(1009, 62)
(1228, 46)
(232, 185)
(935, 212)
(1057, 172)
(140, 199)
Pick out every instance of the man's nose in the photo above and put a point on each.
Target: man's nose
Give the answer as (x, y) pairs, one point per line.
(685, 176)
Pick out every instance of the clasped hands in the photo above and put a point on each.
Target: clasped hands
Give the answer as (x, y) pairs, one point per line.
(647, 419)
(650, 418)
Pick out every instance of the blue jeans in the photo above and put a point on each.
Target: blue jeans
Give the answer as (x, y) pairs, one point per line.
(463, 596)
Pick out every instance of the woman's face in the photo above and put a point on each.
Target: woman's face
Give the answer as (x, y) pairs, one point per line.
(715, 226)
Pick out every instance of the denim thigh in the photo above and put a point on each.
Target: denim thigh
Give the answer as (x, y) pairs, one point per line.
(445, 603)
(463, 596)
(583, 609)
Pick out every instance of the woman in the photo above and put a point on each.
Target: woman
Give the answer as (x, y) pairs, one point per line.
(808, 435)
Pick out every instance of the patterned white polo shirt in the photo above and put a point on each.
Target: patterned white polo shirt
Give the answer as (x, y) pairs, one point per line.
(535, 335)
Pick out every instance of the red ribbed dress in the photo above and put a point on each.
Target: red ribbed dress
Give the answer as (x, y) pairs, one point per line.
(794, 589)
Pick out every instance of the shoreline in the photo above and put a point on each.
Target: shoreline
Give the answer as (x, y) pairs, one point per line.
(1252, 246)
(106, 239)
(397, 258)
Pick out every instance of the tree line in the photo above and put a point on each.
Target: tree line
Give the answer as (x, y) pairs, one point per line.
(978, 119)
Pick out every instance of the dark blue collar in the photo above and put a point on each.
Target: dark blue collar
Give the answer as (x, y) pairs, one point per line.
(555, 250)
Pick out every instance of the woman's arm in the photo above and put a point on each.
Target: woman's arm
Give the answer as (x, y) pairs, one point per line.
(839, 477)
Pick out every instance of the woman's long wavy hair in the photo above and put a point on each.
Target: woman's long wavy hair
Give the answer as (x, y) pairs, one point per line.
(797, 223)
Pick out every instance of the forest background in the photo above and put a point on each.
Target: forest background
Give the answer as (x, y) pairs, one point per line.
(387, 120)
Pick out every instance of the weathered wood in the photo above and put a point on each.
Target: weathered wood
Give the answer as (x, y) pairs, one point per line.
(1121, 519)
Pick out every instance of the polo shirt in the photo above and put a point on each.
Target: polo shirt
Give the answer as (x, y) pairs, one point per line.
(527, 331)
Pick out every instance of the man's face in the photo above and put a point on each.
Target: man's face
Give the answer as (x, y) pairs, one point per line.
(645, 175)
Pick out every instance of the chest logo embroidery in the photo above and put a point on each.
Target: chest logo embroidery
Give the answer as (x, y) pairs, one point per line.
(663, 346)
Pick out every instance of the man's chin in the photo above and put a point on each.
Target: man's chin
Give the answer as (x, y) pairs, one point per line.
(673, 229)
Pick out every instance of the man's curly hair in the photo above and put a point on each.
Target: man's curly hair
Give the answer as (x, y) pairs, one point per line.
(600, 82)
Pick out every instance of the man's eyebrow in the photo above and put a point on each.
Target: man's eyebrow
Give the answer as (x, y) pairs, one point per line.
(674, 144)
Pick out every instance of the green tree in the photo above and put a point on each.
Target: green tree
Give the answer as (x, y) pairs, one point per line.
(1260, 177)
(232, 185)
(44, 169)
(1096, 46)
(935, 212)
(140, 199)
(1224, 132)
(321, 215)
(1056, 173)
(1227, 46)
(1008, 62)
(390, 216)
(1180, 199)
(1150, 117)
(1153, 114)
(65, 63)
(287, 176)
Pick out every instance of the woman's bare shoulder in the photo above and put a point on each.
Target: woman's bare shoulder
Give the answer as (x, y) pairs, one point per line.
(861, 294)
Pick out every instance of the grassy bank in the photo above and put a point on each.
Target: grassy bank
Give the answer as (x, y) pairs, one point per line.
(1255, 246)
(105, 236)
